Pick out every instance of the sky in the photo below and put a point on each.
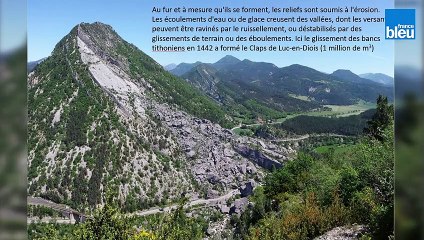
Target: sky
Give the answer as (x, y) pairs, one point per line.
(50, 20)
(12, 24)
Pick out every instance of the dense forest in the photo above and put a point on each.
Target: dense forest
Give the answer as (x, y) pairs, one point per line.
(351, 125)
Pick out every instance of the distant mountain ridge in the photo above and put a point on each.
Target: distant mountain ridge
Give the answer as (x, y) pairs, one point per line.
(169, 67)
(379, 78)
(347, 75)
(226, 61)
(33, 64)
(204, 77)
(183, 68)
(231, 81)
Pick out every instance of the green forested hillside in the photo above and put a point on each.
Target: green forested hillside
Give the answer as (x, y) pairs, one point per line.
(240, 99)
(275, 86)
(313, 194)
(58, 85)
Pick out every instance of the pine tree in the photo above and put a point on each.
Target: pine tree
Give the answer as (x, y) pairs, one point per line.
(380, 120)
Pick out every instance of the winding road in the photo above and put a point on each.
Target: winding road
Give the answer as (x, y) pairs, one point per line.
(207, 202)
(35, 201)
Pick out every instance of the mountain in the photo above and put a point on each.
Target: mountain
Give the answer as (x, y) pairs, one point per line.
(250, 85)
(249, 71)
(226, 61)
(238, 88)
(33, 64)
(204, 77)
(379, 78)
(340, 88)
(104, 117)
(170, 67)
(183, 68)
(347, 75)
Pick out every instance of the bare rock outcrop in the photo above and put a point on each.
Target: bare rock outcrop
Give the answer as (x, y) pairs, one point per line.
(344, 233)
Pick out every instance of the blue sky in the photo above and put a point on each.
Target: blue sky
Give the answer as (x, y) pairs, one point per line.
(50, 20)
(12, 24)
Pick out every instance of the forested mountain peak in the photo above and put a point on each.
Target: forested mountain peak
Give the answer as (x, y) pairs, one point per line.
(226, 61)
(346, 75)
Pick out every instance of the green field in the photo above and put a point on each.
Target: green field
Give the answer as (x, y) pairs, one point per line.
(301, 97)
(336, 111)
(346, 110)
(338, 149)
(343, 110)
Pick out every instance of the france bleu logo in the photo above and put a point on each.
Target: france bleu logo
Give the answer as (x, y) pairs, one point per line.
(400, 24)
